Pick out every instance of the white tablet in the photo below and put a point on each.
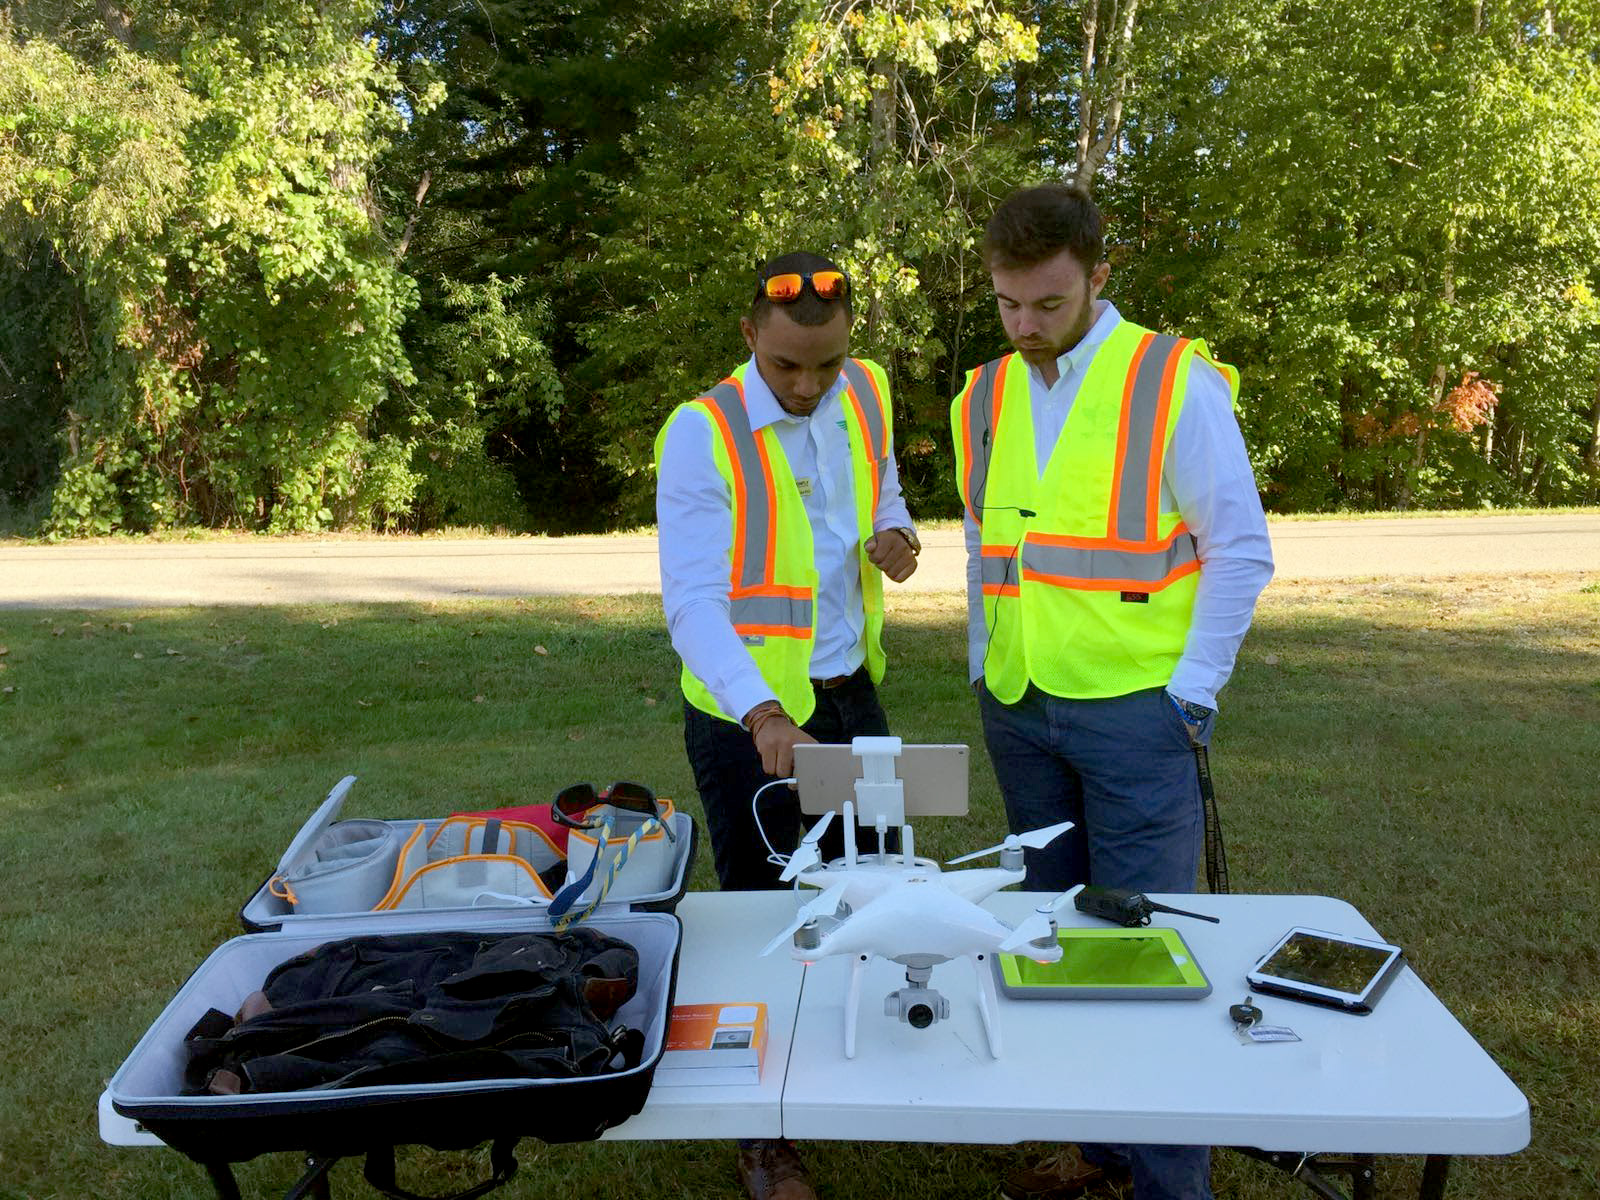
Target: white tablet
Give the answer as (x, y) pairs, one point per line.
(935, 778)
(1333, 969)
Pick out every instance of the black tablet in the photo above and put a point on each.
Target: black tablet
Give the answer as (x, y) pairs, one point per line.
(1333, 969)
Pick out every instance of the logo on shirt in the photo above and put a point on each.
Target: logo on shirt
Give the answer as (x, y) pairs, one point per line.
(804, 485)
(753, 639)
(1136, 597)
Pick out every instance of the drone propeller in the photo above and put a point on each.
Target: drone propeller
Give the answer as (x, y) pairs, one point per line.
(806, 853)
(1034, 839)
(1040, 923)
(824, 905)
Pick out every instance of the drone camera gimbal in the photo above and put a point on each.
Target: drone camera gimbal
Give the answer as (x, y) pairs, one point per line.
(917, 1004)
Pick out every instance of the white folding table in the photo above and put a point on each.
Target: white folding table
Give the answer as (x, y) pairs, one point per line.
(1407, 1079)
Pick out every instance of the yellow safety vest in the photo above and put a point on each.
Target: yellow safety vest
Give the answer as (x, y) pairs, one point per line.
(1088, 585)
(772, 580)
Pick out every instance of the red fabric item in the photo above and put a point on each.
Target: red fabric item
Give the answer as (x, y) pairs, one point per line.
(531, 814)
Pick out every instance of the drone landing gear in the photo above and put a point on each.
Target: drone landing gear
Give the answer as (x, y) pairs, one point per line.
(986, 1002)
(852, 1003)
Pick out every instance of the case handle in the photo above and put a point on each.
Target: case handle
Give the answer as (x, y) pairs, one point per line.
(379, 1172)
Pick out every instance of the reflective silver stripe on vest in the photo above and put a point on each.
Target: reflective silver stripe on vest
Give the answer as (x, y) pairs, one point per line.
(980, 433)
(726, 400)
(1075, 562)
(860, 382)
(995, 570)
(1133, 516)
(770, 611)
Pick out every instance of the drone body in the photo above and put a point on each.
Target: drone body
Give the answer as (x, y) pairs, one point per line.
(906, 909)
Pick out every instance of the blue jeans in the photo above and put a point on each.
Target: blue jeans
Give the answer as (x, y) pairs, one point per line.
(1124, 770)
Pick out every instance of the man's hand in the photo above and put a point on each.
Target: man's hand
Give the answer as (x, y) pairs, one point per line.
(776, 740)
(775, 735)
(1194, 716)
(892, 554)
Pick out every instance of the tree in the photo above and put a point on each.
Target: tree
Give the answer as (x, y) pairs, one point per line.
(199, 180)
(524, 158)
(870, 132)
(1359, 207)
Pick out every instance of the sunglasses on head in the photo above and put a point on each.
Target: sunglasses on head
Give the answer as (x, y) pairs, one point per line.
(785, 288)
(572, 805)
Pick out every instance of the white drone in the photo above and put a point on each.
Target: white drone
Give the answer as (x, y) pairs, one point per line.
(905, 909)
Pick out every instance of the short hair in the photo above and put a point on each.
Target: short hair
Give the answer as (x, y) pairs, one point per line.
(808, 308)
(1037, 223)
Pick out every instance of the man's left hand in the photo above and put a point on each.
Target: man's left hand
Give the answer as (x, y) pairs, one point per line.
(892, 554)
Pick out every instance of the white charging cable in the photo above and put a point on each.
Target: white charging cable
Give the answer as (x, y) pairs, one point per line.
(773, 857)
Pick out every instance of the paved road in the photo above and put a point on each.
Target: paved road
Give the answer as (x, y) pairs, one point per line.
(314, 571)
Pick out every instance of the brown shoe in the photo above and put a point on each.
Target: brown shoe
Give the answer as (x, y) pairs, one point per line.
(1064, 1175)
(772, 1170)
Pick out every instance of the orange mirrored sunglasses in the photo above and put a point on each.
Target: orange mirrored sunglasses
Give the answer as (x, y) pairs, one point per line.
(785, 288)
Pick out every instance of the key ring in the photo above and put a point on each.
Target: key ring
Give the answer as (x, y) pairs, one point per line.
(1244, 1015)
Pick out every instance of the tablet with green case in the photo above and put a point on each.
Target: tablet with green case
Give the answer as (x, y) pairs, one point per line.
(1152, 963)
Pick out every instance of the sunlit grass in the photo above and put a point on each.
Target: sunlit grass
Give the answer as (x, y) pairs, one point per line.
(1427, 752)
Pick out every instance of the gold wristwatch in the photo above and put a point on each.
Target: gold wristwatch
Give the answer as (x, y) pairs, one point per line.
(911, 538)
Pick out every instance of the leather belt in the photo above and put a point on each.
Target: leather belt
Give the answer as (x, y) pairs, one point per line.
(834, 681)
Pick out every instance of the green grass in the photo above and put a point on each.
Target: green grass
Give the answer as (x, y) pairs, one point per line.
(1427, 752)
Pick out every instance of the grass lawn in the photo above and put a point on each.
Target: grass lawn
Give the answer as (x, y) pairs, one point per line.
(1427, 752)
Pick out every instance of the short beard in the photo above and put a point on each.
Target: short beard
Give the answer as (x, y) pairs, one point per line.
(1071, 338)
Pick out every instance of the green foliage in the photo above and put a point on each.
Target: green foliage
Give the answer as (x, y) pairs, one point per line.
(482, 370)
(868, 134)
(367, 262)
(1418, 204)
(213, 216)
(36, 332)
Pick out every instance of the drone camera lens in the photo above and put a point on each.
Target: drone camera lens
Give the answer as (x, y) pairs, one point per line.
(919, 1016)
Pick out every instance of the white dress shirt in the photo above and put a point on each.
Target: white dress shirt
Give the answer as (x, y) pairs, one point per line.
(1206, 476)
(693, 513)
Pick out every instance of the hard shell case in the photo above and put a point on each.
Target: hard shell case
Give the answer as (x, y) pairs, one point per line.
(340, 1122)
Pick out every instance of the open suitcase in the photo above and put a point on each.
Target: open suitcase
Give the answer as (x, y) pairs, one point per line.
(330, 1124)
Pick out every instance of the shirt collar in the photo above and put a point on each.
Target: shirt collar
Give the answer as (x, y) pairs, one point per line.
(762, 406)
(1106, 317)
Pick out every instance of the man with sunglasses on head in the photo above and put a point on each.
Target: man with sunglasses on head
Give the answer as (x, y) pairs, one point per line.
(779, 509)
(1115, 549)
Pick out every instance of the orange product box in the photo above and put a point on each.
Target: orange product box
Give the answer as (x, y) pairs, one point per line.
(722, 1043)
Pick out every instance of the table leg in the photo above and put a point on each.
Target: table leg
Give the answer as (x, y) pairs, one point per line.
(1311, 1169)
(1434, 1171)
(1363, 1177)
(222, 1180)
(314, 1182)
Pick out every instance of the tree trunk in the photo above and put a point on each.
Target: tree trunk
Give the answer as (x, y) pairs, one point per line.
(1022, 80)
(881, 110)
(117, 22)
(1591, 459)
(1086, 107)
(1098, 130)
(1436, 386)
(411, 221)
